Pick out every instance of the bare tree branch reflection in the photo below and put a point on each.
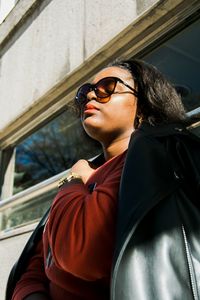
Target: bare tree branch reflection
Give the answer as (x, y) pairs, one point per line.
(51, 150)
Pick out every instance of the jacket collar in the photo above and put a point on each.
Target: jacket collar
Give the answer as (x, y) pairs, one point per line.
(161, 129)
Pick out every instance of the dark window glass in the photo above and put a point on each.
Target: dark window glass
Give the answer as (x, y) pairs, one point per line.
(179, 59)
(51, 150)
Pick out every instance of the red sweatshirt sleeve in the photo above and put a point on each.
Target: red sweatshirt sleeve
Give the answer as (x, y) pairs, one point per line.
(81, 227)
(34, 278)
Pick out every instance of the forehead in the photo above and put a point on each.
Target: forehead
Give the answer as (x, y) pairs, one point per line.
(113, 72)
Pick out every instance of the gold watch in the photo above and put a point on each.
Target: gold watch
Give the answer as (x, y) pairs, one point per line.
(69, 178)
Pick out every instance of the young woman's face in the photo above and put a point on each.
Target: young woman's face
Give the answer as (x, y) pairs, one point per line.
(113, 119)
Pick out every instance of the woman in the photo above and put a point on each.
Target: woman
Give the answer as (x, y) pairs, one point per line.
(128, 99)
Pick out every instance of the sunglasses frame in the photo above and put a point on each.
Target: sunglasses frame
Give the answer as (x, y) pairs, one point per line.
(94, 87)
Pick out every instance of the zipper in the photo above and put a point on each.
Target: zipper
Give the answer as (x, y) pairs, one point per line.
(48, 258)
(190, 265)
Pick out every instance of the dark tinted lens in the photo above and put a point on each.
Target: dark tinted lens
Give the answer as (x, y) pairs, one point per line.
(82, 92)
(105, 87)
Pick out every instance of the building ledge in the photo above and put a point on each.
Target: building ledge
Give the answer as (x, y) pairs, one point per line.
(18, 230)
(16, 18)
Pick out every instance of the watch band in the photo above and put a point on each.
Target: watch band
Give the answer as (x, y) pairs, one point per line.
(68, 178)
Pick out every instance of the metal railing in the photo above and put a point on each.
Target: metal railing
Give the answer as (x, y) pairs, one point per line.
(29, 205)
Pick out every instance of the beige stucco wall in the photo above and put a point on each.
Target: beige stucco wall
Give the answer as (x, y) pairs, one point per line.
(56, 38)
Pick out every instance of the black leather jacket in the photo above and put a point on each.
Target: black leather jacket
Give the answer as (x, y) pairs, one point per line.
(157, 254)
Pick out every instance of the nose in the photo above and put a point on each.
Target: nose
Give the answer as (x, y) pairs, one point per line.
(91, 95)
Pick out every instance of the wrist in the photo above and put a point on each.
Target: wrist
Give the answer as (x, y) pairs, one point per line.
(72, 176)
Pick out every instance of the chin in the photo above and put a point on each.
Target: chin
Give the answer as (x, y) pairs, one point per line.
(93, 131)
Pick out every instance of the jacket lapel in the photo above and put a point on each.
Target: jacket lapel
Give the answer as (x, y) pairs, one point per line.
(148, 177)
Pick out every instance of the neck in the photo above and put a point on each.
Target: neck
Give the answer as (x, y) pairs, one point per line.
(116, 147)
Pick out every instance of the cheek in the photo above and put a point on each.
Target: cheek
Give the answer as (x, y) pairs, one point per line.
(125, 112)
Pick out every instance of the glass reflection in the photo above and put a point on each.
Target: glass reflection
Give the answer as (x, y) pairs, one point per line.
(51, 150)
(179, 59)
(27, 212)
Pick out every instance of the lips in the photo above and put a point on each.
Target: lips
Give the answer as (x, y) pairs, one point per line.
(89, 107)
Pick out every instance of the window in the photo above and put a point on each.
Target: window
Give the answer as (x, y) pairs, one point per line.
(50, 150)
(179, 59)
(40, 161)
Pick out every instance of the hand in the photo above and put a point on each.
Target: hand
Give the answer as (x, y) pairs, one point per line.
(83, 168)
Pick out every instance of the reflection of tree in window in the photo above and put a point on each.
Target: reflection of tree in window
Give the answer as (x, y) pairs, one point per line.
(51, 150)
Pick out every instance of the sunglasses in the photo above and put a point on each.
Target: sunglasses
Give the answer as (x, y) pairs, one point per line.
(103, 89)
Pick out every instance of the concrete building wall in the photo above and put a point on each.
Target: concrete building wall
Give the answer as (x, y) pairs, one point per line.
(10, 249)
(55, 39)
